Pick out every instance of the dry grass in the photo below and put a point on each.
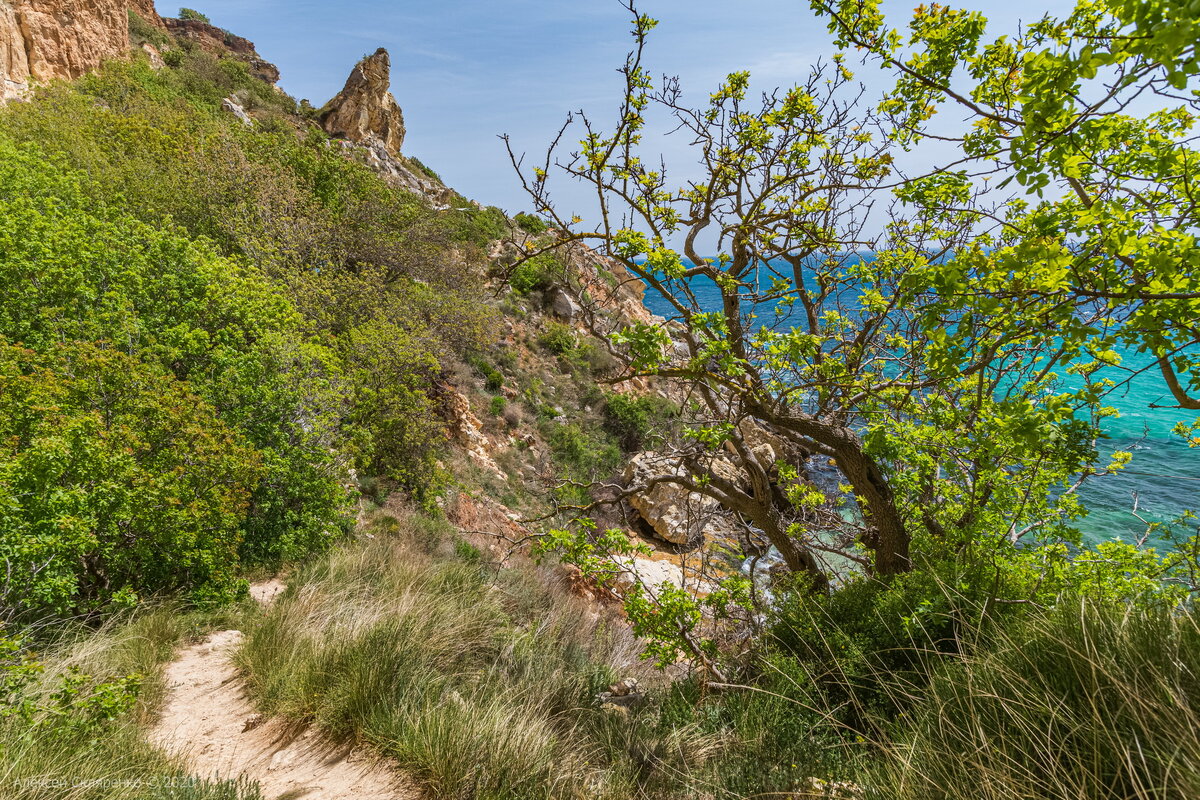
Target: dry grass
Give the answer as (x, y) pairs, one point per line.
(1084, 703)
(483, 685)
(108, 760)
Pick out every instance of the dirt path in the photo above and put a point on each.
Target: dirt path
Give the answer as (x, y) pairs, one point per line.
(208, 721)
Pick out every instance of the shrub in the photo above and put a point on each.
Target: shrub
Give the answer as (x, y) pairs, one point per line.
(115, 480)
(191, 15)
(531, 223)
(472, 225)
(177, 303)
(498, 405)
(584, 454)
(633, 419)
(492, 378)
(141, 31)
(537, 274)
(558, 339)
(423, 169)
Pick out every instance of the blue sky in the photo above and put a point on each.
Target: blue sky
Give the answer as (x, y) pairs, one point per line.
(465, 71)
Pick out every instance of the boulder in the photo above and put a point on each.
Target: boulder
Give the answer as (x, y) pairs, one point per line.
(468, 430)
(673, 513)
(235, 108)
(563, 304)
(365, 112)
(156, 59)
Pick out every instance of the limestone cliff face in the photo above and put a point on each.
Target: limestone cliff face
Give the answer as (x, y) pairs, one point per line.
(41, 40)
(365, 112)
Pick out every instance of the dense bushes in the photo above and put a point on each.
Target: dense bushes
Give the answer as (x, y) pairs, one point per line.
(114, 480)
(634, 418)
(537, 274)
(306, 306)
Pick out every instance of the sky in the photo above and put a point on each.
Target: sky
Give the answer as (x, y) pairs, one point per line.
(466, 71)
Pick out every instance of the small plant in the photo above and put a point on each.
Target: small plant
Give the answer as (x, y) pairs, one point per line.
(467, 552)
(531, 223)
(493, 379)
(632, 419)
(498, 405)
(423, 169)
(192, 15)
(558, 339)
(535, 275)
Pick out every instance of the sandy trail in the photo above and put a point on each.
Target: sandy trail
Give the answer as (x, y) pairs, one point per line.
(209, 722)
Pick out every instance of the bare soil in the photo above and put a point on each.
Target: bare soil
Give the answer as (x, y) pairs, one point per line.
(208, 721)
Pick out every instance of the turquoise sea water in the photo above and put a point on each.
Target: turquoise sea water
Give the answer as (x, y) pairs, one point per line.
(1164, 476)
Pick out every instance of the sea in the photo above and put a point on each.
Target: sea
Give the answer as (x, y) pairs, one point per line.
(1158, 485)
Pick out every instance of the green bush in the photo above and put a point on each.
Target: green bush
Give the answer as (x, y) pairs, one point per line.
(585, 455)
(536, 274)
(115, 480)
(191, 15)
(493, 379)
(531, 223)
(498, 405)
(68, 272)
(423, 169)
(470, 224)
(280, 318)
(633, 419)
(558, 339)
(142, 31)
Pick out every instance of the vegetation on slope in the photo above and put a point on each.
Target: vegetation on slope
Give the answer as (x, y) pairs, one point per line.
(272, 293)
(207, 328)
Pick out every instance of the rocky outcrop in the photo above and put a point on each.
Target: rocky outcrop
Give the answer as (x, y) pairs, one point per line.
(369, 124)
(672, 512)
(220, 42)
(43, 40)
(468, 430)
(365, 112)
(234, 107)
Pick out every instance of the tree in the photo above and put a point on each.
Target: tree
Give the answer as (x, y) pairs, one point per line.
(939, 425)
(1094, 115)
(192, 15)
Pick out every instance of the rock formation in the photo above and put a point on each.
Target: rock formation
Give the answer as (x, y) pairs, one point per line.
(220, 42)
(365, 112)
(675, 514)
(41, 40)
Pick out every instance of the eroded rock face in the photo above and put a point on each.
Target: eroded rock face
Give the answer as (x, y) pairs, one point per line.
(675, 514)
(42, 40)
(365, 112)
(219, 42)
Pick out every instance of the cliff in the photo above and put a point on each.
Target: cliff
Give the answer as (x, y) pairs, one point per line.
(41, 40)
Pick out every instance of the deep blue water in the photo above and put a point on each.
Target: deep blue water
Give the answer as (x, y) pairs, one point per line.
(1164, 475)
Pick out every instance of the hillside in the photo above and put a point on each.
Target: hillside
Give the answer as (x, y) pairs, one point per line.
(318, 477)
